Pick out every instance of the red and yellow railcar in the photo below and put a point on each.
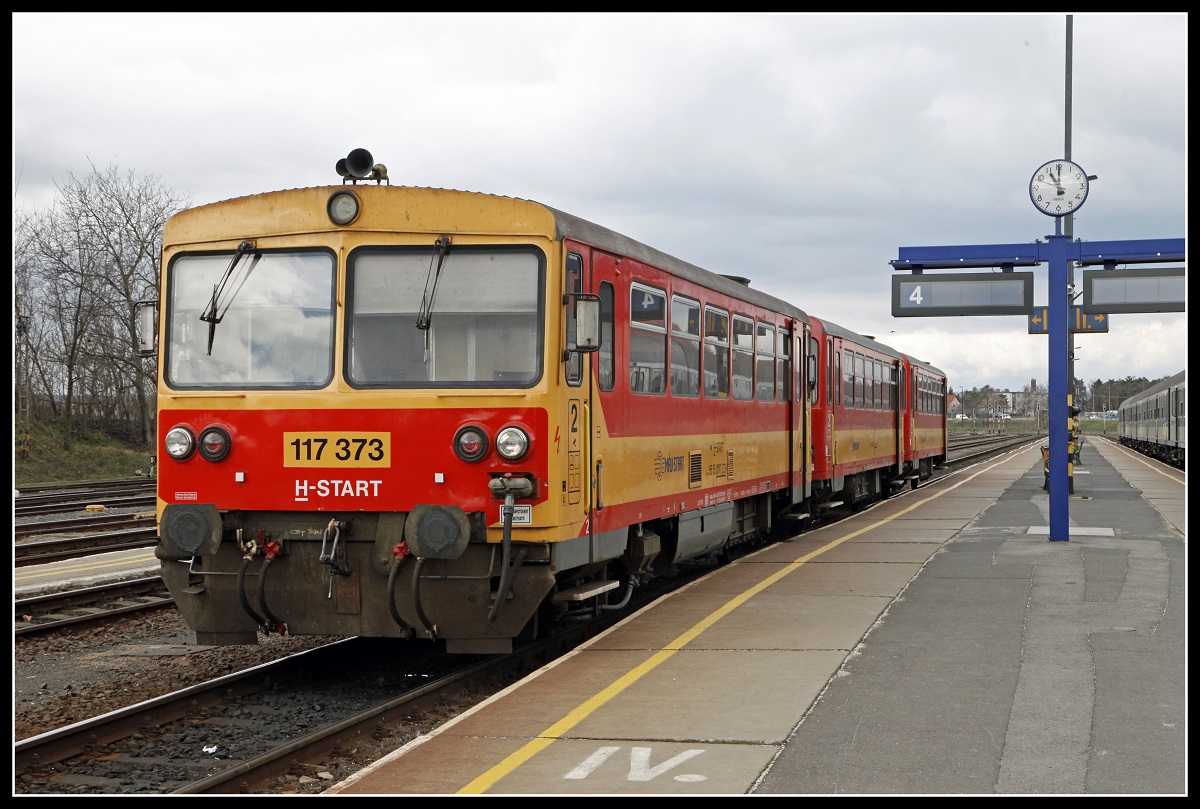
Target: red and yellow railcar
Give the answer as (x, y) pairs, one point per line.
(390, 411)
(879, 418)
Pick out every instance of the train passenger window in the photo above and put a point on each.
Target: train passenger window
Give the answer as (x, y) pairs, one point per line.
(647, 339)
(868, 383)
(605, 372)
(878, 385)
(848, 379)
(743, 358)
(860, 381)
(783, 372)
(685, 347)
(835, 378)
(716, 353)
(814, 362)
(764, 363)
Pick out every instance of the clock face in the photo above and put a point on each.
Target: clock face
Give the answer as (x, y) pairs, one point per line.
(1058, 188)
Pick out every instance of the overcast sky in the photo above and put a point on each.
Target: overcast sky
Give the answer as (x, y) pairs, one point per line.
(799, 150)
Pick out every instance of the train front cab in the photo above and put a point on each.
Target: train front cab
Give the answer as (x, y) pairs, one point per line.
(635, 464)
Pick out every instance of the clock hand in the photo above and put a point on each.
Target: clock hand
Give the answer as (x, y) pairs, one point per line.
(1057, 182)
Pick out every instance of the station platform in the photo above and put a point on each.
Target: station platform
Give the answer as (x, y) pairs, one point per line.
(936, 643)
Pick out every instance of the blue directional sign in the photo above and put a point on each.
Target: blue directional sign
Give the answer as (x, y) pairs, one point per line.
(1081, 322)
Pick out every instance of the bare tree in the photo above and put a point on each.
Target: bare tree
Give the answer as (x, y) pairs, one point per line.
(92, 256)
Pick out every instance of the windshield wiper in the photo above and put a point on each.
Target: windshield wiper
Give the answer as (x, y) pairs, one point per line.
(425, 316)
(210, 315)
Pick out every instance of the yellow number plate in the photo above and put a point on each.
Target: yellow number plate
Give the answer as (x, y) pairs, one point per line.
(337, 449)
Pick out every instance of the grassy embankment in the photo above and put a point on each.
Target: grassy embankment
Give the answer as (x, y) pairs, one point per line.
(92, 457)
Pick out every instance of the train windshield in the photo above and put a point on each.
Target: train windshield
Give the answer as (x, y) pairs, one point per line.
(478, 323)
(274, 322)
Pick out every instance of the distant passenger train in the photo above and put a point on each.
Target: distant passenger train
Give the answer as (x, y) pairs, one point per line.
(1154, 422)
(392, 411)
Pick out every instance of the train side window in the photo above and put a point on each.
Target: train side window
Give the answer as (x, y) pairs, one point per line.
(647, 339)
(685, 347)
(835, 378)
(573, 284)
(860, 383)
(869, 383)
(743, 358)
(606, 370)
(848, 378)
(833, 374)
(716, 353)
(764, 363)
(814, 362)
(783, 375)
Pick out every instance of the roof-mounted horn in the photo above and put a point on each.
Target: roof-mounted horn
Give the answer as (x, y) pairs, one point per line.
(360, 165)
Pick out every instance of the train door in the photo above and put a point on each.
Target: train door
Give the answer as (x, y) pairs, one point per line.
(604, 395)
(575, 434)
(806, 380)
(794, 358)
(914, 403)
(897, 391)
(835, 404)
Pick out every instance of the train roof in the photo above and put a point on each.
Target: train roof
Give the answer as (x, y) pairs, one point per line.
(571, 226)
(866, 340)
(513, 215)
(1156, 388)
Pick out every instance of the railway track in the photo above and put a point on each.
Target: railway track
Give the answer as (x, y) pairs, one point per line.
(322, 714)
(56, 550)
(38, 500)
(75, 525)
(55, 611)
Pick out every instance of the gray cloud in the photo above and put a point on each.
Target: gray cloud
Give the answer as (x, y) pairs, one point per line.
(799, 150)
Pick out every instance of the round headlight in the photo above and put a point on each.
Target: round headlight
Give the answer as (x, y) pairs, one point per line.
(512, 443)
(214, 444)
(470, 443)
(343, 208)
(179, 443)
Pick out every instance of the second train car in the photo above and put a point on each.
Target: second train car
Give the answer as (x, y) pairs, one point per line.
(1154, 422)
(394, 412)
